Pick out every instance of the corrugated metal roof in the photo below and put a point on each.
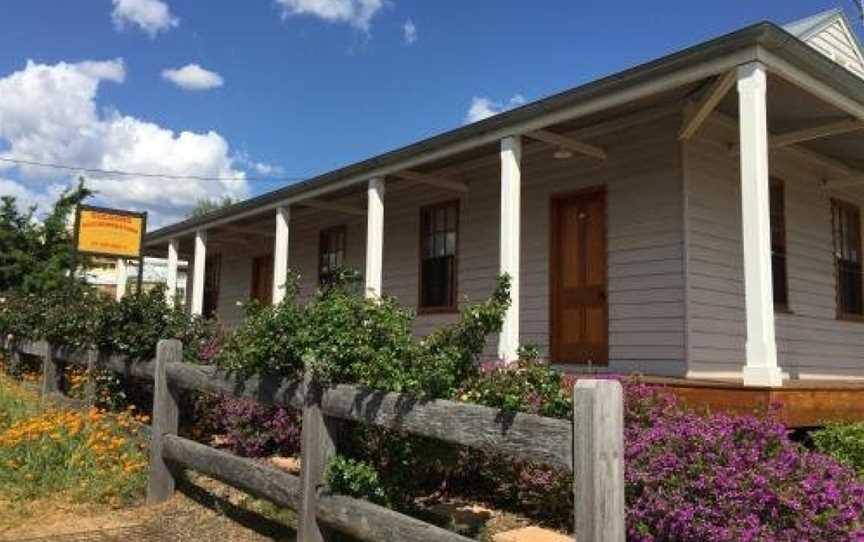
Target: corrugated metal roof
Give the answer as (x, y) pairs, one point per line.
(766, 34)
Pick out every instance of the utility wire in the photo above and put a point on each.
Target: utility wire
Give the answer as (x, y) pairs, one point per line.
(147, 175)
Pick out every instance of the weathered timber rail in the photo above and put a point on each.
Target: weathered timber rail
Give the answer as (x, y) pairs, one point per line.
(591, 445)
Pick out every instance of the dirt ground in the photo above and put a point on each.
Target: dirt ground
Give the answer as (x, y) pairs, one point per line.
(202, 510)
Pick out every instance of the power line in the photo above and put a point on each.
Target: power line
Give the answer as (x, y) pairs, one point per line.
(66, 167)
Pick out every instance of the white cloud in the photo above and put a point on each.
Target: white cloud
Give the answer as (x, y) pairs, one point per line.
(193, 77)
(483, 108)
(152, 16)
(49, 114)
(357, 13)
(409, 32)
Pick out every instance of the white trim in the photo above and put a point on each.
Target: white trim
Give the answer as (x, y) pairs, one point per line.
(374, 236)
(171, 273)
(197, 307)
(761, 351)
(280, 254)
(813, 85)
(120, 278)
(511, 196)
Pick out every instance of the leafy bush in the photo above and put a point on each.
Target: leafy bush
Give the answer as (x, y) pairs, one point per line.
(346, 476)
(81, 317)
(345, 337)
(845, 442)
(528, 385)
(350, 338)
(268, 340)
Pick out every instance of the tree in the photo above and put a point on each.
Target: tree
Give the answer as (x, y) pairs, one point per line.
(35, 256)
(206, 206)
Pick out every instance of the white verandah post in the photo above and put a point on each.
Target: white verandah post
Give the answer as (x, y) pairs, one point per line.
(197, 308)
(120, 278)
(761, 351)
(171, 273)
(374, 237)
(280, 254)
(511, 195)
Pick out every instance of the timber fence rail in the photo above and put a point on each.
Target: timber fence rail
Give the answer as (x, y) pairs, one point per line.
(591, 445)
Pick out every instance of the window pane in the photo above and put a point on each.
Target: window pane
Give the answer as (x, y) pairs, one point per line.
(847, 247)
(451, 243)
(439, 241)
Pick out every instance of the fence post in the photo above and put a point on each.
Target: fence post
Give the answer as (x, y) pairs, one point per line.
(598, 461)
(166, 414)
(90, 385)
(317, 446)
(52, 376)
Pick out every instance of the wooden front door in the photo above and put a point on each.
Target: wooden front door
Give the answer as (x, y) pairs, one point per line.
(262, 279)
(580, 321)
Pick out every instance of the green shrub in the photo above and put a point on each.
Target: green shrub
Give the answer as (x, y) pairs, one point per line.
(81, 317)
(845, 442)
(346, 476)
(268, 340)
(350, 338)
(529, 385)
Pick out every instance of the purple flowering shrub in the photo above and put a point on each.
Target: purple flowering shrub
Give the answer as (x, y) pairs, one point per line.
(689, 477)
(723, 478)
(254, 430)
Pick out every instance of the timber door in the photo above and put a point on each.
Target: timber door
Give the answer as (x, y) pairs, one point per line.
(262, 279)
(580, 321)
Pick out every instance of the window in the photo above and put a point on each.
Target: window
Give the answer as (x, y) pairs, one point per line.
(439, 230)
(847, 258)
(331, 253)
(778, 244)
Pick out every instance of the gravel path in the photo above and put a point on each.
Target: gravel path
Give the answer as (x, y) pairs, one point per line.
(204, 510)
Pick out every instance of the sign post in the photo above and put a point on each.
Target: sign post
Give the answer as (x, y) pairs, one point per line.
(109, 232)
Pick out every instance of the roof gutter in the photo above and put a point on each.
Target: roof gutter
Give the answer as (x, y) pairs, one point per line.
(690, 65)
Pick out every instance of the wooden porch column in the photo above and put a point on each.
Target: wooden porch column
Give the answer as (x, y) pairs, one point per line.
(171, 273)
(120, 278)
(761, 351)
(511, 196)
(198, 273)
(374, 236)
(280, 254)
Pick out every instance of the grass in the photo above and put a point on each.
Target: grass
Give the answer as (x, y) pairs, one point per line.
(85, 457)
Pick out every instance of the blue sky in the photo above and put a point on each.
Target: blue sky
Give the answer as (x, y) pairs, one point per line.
(306, 85)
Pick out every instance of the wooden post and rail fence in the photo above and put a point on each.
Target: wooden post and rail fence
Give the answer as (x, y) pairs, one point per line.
(590, 446)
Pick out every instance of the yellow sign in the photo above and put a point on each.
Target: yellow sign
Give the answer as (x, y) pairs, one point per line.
(109, 232)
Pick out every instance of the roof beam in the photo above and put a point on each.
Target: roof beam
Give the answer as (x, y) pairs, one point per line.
(330, 206)
(790, 139)
(568, 143)
(817, 132)
(847, 175)
(245, 230)
(432, 180)
(703, 108)
(844, 182)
